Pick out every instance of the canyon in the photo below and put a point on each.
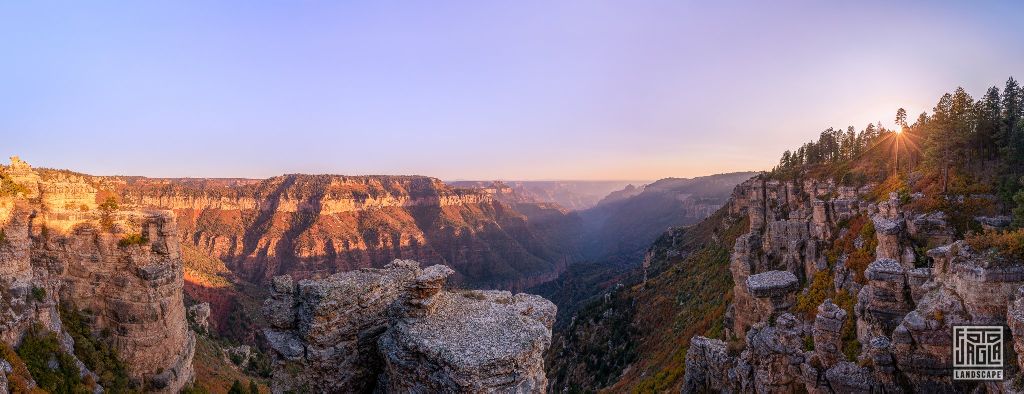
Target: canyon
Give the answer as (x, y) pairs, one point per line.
(107, 252)
(132, 252)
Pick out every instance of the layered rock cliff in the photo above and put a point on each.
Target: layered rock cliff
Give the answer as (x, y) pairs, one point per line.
(396, 329)
(837, 290)
(60, 247)
(316, 225)
(572, 195)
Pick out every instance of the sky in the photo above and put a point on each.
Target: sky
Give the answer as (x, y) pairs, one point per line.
(521, 90)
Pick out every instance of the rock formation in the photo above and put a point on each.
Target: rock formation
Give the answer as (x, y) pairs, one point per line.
(827, 334)
(123, 265)
(199, 315)
(896, 336)
(396, 329)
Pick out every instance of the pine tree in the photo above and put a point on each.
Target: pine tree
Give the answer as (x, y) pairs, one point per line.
(236, 388)
(940, 138)
(988, 114)
(1011, 140)
(901, 117)
(253, 389)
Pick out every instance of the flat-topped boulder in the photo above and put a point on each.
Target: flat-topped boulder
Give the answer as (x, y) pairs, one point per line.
(397, 330)
(886, 270)
(472, 342)
(772, 284)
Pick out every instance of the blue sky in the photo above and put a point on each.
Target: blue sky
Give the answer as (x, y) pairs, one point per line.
(474, 90)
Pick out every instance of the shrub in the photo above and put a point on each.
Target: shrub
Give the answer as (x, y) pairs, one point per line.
(236, 388)
(132, 239)
(38, 294)
(857, 259)
(820, 289)
(1018, 212)
(107, 209)
(96, 351)
(1009, 244)
(19, 378)
(39, 347)
(259, 365)
(808, 343)
(3, 238)
(851, 346)
(9, 188)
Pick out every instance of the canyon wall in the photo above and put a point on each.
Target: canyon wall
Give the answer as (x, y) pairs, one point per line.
(571, 195)
(123, 266)
(316, 225)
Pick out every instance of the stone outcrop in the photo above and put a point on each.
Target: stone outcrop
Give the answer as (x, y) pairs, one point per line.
(199, 315)
(884, 301)
(708, 366)
(826, 333)
(906, 302)
(324, 332)
(397, 329)
(59, 249)
(790, 224)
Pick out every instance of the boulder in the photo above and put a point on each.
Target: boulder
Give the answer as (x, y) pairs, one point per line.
(323, 333)
(396, 329)
(470, 344)
(199, 315)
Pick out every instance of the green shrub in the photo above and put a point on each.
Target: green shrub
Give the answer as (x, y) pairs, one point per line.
(851, 346)
(19, 378)
(9, 188)
(107, 209)
(39, 347)
(820, 289)
(259, 365)
(132, 239)
(38, 294)
(96, 351)
(236, 388)
(1018, 212)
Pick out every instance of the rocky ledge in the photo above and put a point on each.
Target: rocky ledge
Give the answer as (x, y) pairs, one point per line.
(396, 329)
(772, 284)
